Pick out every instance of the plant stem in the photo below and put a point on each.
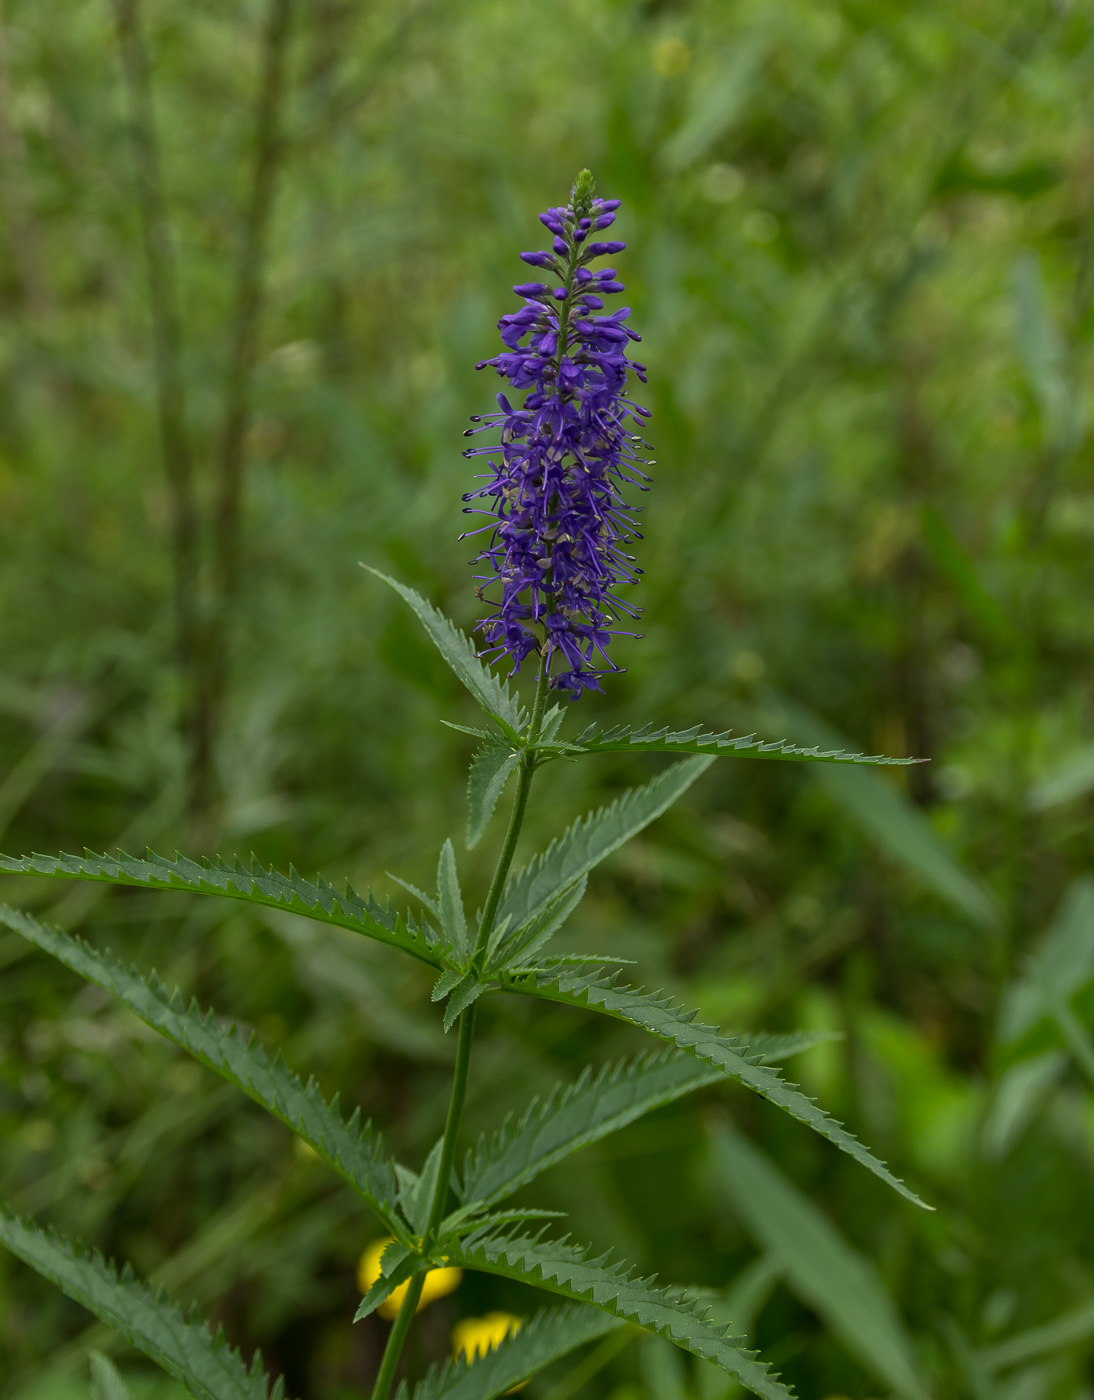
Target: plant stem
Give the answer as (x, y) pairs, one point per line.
(159, 255)
(516, 820)
(397, 1338)
(465, 1035)
(243, 354)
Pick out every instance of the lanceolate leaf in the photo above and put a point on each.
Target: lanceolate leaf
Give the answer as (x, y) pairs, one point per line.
(386, 1284)
(623, 739)
(592, 838)
(818, 1263)
(575, 1115)
(318, 901)
(353, 1149)
(520, 948)
(184, 1347)
(450, 900)
(491, 768)
(106, 1383)
(660, 1017)
(544, 1338)
(568, 1271)
(458, 651)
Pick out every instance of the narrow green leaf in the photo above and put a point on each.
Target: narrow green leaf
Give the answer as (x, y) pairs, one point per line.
(353, 1149)
(464, 994)
(818, 1263)
(1072, 777)
(318, 900)
(1060, 966)
(660, 1017)
(106, 1381)
(623, 739)
(888, 819)
(574, 1116)
(1067, 1330)
(543, 1339)
(568, 1271)
(985, 611)
(521, 947)
(592, 838)
(1043, 352)
(386, 1284)
(491, 768)
(1023, 1091)
(450, 900)
(459, 653)
(184, 1347)
(420, 1197)
(425, 900)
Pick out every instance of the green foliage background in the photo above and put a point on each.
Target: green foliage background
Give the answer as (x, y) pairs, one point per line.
(861, 259)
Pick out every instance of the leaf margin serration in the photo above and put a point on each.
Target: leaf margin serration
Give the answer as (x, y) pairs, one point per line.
(448, 1380)
(624, 738)
(246, 1384)
(544, 1263)
(492, 1149)
(668, 1022)
(352, 1148)
(270, 888)
(633, 810)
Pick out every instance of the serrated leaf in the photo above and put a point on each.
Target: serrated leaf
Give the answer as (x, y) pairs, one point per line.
(386, 1284)
(659, 1016)
(519, 948)
(543, 1339)
(315, 900)
(106, 1381)
(420, 1197)
(459, 653)
(353, 1149)
(450, 900)
(574, 1116)
(623, 739)
(184, 1347)
(819, 1264)
(427, 901)
(466, 992)
(491, 768)
(568, 1271)
(449, 978)
(592, 838)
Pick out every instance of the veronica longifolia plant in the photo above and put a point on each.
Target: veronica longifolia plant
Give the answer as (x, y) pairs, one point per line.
(554, 558)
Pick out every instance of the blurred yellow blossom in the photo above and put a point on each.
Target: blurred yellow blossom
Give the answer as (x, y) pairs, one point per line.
(475, 1336)
(438, 1282)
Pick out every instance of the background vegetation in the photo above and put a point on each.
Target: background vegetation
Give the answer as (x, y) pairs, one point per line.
(862, 260)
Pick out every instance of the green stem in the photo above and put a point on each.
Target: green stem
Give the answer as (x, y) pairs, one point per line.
(452, 1122)
(516, 820)
(397, 1337)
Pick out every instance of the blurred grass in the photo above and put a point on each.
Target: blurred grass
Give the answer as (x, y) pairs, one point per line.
(861, 260)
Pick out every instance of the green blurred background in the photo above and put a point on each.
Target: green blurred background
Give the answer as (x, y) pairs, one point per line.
(861, 256)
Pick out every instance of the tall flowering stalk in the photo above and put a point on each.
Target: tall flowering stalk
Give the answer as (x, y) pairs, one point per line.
(559, 524)
(558, 533)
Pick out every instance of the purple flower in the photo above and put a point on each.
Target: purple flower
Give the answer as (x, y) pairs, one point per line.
(558, 526)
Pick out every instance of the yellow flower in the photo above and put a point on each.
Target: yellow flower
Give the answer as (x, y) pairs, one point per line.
(438, 1282)
(475, 1336)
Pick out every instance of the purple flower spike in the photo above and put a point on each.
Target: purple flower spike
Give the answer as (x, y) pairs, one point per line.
(557, 526)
